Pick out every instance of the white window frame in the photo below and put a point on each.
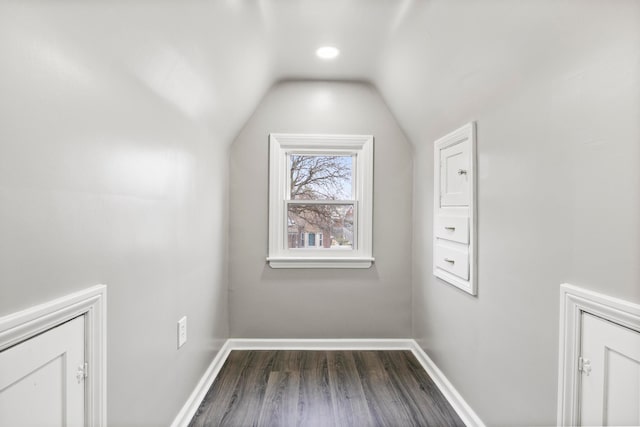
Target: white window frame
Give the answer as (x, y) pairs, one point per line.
(358, 146)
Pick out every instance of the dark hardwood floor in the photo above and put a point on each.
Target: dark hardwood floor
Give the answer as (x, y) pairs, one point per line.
(324, 388)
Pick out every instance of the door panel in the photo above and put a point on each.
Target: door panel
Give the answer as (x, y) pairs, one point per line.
(610, 381)
(39, 385)
(620, 389)
(454, 179)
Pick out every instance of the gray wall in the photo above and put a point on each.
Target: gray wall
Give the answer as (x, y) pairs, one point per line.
(93, 93)
(317, 303)
(114, 170)
(555, 90)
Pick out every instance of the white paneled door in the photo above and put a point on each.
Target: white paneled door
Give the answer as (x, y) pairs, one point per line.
(42, 379)
(610, 374)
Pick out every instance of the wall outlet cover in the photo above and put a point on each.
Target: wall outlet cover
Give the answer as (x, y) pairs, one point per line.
(182, 331)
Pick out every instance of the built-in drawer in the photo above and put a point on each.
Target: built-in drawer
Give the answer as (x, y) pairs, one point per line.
(451, 259)
(454, 228)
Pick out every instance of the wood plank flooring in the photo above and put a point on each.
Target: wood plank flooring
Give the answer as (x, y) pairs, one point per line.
(324, 388)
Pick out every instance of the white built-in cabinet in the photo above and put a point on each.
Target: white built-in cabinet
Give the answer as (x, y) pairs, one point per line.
(454, 238)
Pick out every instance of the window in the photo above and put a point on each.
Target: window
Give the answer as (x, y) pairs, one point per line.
(320, 201)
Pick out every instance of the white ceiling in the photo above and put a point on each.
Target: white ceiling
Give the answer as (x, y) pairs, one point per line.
(214, 60)
(359, 28)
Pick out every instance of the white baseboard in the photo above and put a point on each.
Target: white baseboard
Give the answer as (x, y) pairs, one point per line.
(464, 411)
(454, 398)
(319, 344)
(197, 396)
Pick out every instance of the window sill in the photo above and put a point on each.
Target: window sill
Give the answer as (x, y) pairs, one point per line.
(320, 262)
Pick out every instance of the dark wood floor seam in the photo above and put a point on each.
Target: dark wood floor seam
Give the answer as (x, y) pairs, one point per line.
(301, 388)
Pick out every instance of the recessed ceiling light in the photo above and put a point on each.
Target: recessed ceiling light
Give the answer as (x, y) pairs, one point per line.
(327, 52)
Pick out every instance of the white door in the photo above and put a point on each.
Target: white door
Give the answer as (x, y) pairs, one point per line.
(610, 380)
(41, 379)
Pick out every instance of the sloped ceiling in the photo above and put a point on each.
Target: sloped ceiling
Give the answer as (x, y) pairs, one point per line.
(207, 62)
(448, 60)
(430, 57)
(214, 60)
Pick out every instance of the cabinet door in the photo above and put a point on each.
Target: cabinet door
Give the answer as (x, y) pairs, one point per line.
(610, 380)
(41, 382)
(454, 175)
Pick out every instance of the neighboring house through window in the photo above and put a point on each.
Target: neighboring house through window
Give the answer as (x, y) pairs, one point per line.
(320, 201)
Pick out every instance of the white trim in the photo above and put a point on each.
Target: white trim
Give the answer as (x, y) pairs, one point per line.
(464, 411)
(197, 396)
(90, 303)
(319, 262)
(574, 301)
(462, 408)
(320, 344)
(359, 146)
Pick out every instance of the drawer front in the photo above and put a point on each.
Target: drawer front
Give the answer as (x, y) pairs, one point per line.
(453, 228)
(455, 261)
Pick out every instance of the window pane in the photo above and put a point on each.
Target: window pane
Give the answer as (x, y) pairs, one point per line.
(330, 225)
(321, 177)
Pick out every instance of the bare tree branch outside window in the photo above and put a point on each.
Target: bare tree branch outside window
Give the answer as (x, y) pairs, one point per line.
(321, 177)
